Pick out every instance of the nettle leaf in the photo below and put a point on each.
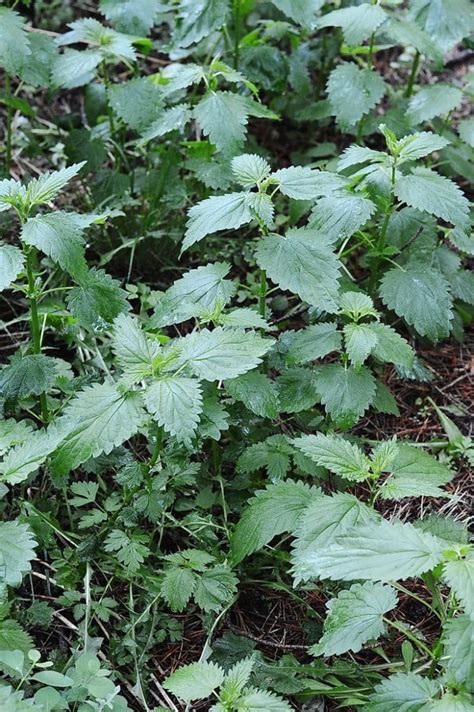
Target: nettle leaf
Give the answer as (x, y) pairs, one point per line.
(418, 145)
(98, 419)
(404, 692)
(73, 68)
(335, 454)
(222, 353)
(391, 347)
(214, 418)
(446, 21)
(17, 549)
(355, 617)
(215, 588)
(357, 305)
(257, 392)
(133, 350)
(360, 341)
(341, 214)
(304, 183)
(14, 41)
(195, 681)
(353, 92)
(273, 454)
(409, 33)
(25, 458)
(177, 587)
(302, 262)
(316, 341)
(262, 206)
(298, 389)
(250, 169)
(466, 131)
(382, 551)
(431, 193)
(421, 296)
(199, 291)
(453, 702)
(414, 474)
(357, 23)
(14, 432)
(138, 102)
(219, 212)
(176, 404)
(324, 519)
(243, 317)
(173, 119)
(433, 100)
(98, 300)
(27, 375)
(354, 155)
(458, 641)
(12, 261)
(270, 512)
(345, 392)
(49, 185)
(301, 11)
(132, 16)
(198, 18)
(223, 117)
(252, 699)
(444, 527)
(459, 574)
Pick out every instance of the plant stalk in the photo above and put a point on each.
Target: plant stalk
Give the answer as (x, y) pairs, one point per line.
(34, 321)
(413, 73)
(8, 127)
(262, 294)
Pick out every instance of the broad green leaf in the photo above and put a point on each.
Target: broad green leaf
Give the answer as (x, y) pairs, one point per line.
(341, 214)
(73, 69)
(223, 117)
(273, 454)
(433, 100)
(243, 317)
(355, 155)
(403, 692)
(444, 527)
(324, 519)
(357, 22)
(98, 419)
(14, 638)
(410, 34)
(384, 401)
(355, 617)
(431, 193)
(130, 551)
(215, 588)
(316, 341)
(133, 350)
(335, 454)
(138, 102)
(98, 300)
(447, 22)
(466, 131)
(25, 458)
(135, 17)
(420, 296)
(214, 418)
(198, 19)
(301, 11)
(302, 262)
(390, 346)
(112, 45)
(17, 549)
(298, 388)
(303, 183)
(14, 432)
(27, 375)
(14, 41)
(453, 702)
(353, 92)
(195, 681)
(257, 392)
(253, 700)
(48, 185)
(223, 353)
(220, 212)
(269, 513)
(250, 169)
(384, 455)
(357, 305)
(176, 404)
(462, 285)
(173, 119)
(459, 574)
(382, 551)
(459, 647)
(360, 342)
(12, 261)
(199, 291)
(180, 76)
(418, 145)
(52, 678)
(415, 473)
(177, 587)
(237, 677)
(345, 392)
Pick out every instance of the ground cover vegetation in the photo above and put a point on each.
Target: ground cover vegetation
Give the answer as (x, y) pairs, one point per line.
(236, 291)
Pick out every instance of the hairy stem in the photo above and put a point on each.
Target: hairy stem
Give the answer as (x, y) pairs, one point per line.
(413, 73)
(34, 320)
(8, 127)
(262, 294)
(237, 31)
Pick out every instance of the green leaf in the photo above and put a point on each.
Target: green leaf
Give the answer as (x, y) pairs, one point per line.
(257, 392)
(446, 21)
(384, 402)
(390, 346)
(420, 296)
(201, 290)
(135, 17)
(353, 92)
(253, 700)
(466, 131)
(176, 404)
(453, 702)
(25, 458)
(355, 617)
(138, 102)
(17, 549)
(250, 169)
(53, 678)
(85, 493)
(303, 183)
(74, 69)
(316, 341)
(134, 351)
(444, 527)
(14, 41)
(301, 11)
(27, 375)
(410, 34)
(357, 22)
(418, 145)
(49, 185)
(382, 551)
(14, 638)
(459, 647)
(215, 588)
(243, 317)
(220, 212)
(14, 432)
(112, 45)
(198, 19)
(459, 575)
(237, 677)
(214, 418)
(404, 692)
(302, 262)
(177, 587)
(195, 681)
(223, 353)
(360, 341)
(414, 474)
(98, 300)
(357, 305)
(345, 392)
(298, 390)
(223, 117)
(270, 512)
(433, 100)
(431, 193)
(273, 454)
(12, 261)
(325, 519)
(130, 551)
(98, 419)
(335, 454)
(173, 119)
(341, 214)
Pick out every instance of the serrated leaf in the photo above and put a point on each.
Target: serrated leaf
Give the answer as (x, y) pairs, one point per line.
(433, 100)
(135, 17)
(14, 432)
(304, 183)
(458, 640)
(409, 33)
(341, 214)
(414, 474)
(17, 549)
(253, 700)
(360, 341)
(459, 574)
(301, 11)
(382, 551)
(466, 131)
(14, 638)
(335, 454)
(262, 206)
(27, 375)
(269, 513)
(12, 261)
(420, 296)
(245, 318)
(345, 392)
(48, 185)
(355, 617)
(222, 353)
(353, 92)
(98, 300)
(404, 692)
(177, 587)
(431, 193)
(22, 460)
(298, 390)
(390, 346)
(214, 418)
(257, 392)
(133, 350)
(316, 341)
(215, 588)
(14, 41)
(198, 18)
(130, 551)
(138, 102)
(418, 145)
(302, 262)
(98, 419)
(237, 677)
(176, 404)
(73, 69)
(220, 212)
(357, 22)
(272, 454)
(195, 681)
(357, 305)
(444, 527)
(250, 169)
(173, 119)
(223, 117)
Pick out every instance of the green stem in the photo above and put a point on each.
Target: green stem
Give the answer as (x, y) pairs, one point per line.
(237, 30)
(409, 636)
(8, 128)
(157, 447)
(413, 73)
(380, 244)
(262, 294)
(34, 320)
(87, 593)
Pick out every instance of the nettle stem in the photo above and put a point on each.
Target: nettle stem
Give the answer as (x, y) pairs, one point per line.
(237, 31)
(380, 244)
(413, 73)
(8, 127)
(262, 295)
(34, 319)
